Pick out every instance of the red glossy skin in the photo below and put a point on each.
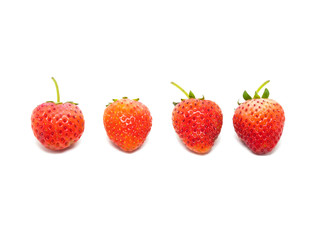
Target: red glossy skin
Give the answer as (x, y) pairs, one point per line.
(127, 123)
(57, 126)
(259, 124)
(198, 123)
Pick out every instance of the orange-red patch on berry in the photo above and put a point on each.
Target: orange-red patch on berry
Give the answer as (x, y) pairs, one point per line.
(127, 123)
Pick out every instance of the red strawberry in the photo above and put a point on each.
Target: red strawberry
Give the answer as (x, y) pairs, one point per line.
(198, 122)
(259, 121)
(57, 125)
(127, 123)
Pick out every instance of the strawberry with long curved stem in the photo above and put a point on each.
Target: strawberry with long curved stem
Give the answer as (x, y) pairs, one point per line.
(259, 121)
(198, 122)
(57, 125)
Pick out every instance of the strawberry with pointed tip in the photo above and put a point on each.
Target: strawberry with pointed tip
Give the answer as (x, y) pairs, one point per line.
(57, 125)
(198, 122)
(127, 123)
(259, 122)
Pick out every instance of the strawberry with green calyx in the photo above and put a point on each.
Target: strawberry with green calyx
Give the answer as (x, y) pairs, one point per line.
(57, 125)
(198, 122)
(259, 121)
(127, 123)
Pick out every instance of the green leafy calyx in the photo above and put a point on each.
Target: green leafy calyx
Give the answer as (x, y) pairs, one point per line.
(114, 100)
(189, 96)
(265, 94)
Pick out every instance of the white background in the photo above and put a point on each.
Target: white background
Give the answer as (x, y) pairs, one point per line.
(99, 50)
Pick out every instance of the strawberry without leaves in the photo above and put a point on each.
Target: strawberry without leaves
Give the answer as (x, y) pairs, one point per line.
(198, 122)
(127, 123)
(57, 125)
(259, 122)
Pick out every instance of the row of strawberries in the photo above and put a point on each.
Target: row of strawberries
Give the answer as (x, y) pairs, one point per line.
(258, 122)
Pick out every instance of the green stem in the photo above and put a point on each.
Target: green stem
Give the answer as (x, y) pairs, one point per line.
(57, 89)
(180, 89)
(265, 83)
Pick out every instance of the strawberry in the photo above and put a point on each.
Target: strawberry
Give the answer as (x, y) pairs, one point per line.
(198, 122)
(57, 125)
(259, 121)
(127, 123)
